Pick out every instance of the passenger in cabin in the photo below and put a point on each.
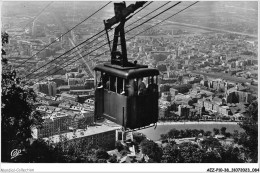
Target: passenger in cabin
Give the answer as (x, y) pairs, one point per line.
(141, 87)
(107, 84)
(152, 87)
(112, 83)
(100, 83)
(105, 80)
(131, 87)
(120, 85)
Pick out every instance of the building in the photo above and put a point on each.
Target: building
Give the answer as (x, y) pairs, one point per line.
(238, 97)
(89, 83)
(183, 111)
(64, 105)
(75, 81)
(41, 87)
(54, 124)
(182, 88)
(52, 88)
(78, 87)
(45, 101)
(60, 122)
(69, 97)
(81, 92)
(193, 112)
(208, 105)
(201, 103)
(166, 96)
(163, 112)
(63, 88)
(82, 120)
(224, 110)
(48, 88)
(100, 136)
(173, 92)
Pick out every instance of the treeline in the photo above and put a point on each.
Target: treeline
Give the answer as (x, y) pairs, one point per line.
(239, 148)
(188, 133)
(209, 150)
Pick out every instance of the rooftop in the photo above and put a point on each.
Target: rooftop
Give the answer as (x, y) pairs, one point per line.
(80, 133)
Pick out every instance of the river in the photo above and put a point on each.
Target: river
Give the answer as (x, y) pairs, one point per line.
(154, 133)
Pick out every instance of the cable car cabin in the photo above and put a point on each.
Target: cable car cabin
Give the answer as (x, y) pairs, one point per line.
(126, 93)
(127, 96)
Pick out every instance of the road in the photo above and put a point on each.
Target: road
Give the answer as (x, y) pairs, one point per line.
(33, 24)
(71, 36)
(78, 51)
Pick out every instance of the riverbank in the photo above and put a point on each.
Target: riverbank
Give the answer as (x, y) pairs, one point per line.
(154, 133)
(195, 122)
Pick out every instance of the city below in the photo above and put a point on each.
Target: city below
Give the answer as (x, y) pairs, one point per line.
(207, 82)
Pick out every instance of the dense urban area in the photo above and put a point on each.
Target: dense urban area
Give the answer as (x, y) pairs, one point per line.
(207, 75)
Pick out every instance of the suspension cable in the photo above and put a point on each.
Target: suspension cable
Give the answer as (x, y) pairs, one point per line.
(81, 44)
(64, 34)
(38, 14)
(134, 35)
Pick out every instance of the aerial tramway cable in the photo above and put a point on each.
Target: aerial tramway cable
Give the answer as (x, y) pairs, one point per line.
(138, 33)
(149, 13)
(65, 33)
(80, 45)
(38, 14)
(131, 28)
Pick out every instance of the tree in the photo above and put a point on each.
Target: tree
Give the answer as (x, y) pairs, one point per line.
(164, 137)
(182, 134)
(170, 153)
(18, 115)
(212, 156)
(152, 150)
(223, 130)
(210, 143)
(124, 152)
(216, 131)
(102, 154)
(250, 125)
(188, 133)
(208, 133)
(113, 159)
(190, 153)
(139, 137)
(235, 136)
(231, 154)
(5, 40)
(173, 133)
(119, 146)
(40, 152)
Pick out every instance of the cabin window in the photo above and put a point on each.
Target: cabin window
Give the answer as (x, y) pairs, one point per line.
(105, 80)
(141, 84)
(98, 79)
(152, 84)
(120, 83)
(131, 87)
(112, 83)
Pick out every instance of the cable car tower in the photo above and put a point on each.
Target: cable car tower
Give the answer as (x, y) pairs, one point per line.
(126, 93)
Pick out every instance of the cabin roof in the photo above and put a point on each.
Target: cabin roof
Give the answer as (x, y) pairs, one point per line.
(128, 73)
